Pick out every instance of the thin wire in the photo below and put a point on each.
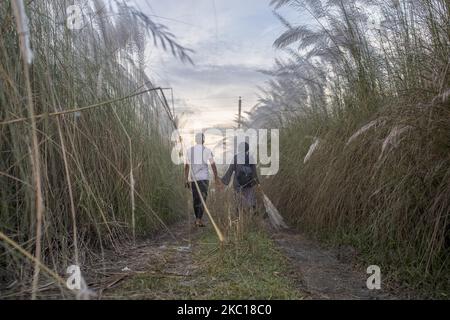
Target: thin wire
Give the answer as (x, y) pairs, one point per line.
(161, 17)
(52, 114)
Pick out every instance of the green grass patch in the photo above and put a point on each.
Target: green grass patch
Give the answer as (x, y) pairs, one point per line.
(250, 269)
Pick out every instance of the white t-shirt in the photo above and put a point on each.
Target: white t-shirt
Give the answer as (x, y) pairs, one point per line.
(198, 157)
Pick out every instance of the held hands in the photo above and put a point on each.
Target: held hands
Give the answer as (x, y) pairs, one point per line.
(219, 185)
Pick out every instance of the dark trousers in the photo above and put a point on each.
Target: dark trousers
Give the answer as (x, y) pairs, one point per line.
(198, 206)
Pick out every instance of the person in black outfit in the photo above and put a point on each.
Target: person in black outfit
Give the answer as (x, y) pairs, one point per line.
(245, 180)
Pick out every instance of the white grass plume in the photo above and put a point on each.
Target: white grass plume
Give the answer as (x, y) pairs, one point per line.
(363, 129)
(393, 140)
(311, 150)
(275, 217)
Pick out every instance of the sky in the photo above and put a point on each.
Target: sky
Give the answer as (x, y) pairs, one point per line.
(232, 40)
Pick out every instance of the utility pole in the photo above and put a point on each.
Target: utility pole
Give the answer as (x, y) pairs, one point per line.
(173, 103)
(239, 112)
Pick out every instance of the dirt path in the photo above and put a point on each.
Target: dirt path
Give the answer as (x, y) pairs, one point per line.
(317, 272)
(165, 256)
(320, 273)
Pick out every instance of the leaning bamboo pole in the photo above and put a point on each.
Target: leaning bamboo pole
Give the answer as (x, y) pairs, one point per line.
(29, 256)
(132, 181)
(75, 110)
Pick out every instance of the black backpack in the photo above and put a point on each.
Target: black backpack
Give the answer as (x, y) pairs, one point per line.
(244, 175)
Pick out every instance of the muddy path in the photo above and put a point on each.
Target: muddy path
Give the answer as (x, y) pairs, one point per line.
(325, 273)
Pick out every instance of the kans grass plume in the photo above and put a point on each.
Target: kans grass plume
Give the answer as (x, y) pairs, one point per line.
(341, 71)
(275, 217)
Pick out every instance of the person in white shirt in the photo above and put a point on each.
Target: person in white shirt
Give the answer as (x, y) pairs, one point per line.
(196, 169)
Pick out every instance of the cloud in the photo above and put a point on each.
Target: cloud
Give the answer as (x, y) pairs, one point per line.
(232, 40)
(219, 75)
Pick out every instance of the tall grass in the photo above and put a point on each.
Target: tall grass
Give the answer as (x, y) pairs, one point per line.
(376, 97)
(105, 173)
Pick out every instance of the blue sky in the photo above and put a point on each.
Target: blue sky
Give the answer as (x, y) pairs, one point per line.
(232, 40)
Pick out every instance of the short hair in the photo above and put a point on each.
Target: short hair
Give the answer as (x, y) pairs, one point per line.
(199, 138)
(244, 147)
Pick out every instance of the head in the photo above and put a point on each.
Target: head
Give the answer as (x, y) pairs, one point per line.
(199, 138)
(244, 147)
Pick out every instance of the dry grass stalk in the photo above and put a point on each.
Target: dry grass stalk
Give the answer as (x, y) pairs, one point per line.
(95, 151)
(341, 72)
(23, 30)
